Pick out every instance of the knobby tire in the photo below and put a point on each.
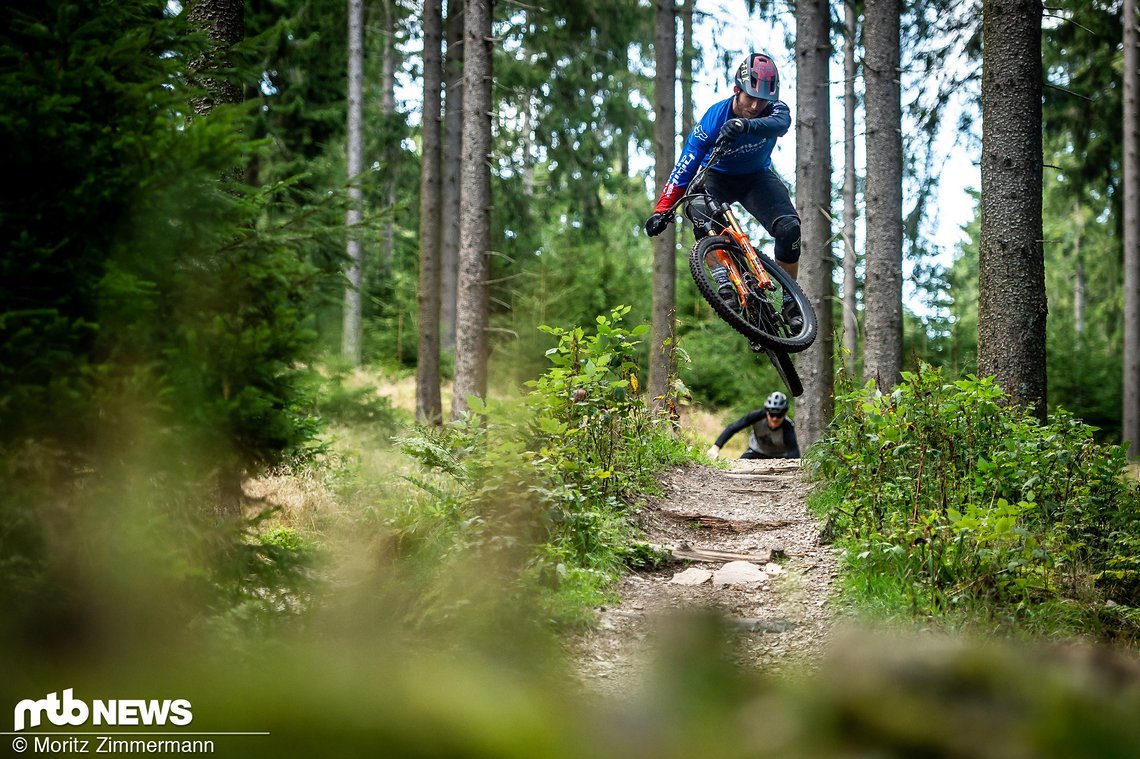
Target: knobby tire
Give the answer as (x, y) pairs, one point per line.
(761, 322)
(787, 371)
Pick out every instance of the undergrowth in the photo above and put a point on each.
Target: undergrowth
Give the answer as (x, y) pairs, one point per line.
(949, 503)
(542, 485)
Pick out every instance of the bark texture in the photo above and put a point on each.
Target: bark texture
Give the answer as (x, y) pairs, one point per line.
(882, 287)
(815, 407)
(389, 64)
(688, 53)
(224, 23)
(474, 210)
(1131, 25)
(661, 349)
(452, 149)
(850, 283)
(428, 403)
(352, 325)
(1011, 268)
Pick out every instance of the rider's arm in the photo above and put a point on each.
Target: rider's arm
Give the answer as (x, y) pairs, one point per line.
(791, 445)
(697, 146)
(775, 123)
(745, 421)
(683, 172)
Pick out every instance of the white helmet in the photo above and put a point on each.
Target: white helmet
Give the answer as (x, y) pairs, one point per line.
(777, 403)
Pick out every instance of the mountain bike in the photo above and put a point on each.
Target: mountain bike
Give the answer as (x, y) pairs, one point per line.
(759, 299)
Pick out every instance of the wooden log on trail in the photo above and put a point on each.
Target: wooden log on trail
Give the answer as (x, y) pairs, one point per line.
(686, 552)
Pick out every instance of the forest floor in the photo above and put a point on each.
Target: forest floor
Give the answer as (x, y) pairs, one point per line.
(780, 617)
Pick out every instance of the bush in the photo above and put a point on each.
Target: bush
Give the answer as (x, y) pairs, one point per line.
(338, 401)
(947, 498)
(546, 483)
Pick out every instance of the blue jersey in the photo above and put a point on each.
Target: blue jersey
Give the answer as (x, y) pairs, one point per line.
(751, 153)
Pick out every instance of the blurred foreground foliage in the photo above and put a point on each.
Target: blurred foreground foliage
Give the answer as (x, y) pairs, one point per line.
(947, 500)
(374, 695)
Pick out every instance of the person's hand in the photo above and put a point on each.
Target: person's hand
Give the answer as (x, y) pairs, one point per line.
(656, 224)
(714, 452)
(732, 129)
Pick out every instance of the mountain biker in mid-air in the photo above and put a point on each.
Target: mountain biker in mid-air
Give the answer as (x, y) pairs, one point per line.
(773, 434)
(750, 122)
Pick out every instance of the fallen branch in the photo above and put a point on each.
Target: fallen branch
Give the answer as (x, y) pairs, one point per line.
(711, 522)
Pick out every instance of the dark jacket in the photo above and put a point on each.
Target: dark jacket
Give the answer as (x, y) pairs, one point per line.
(765, 442)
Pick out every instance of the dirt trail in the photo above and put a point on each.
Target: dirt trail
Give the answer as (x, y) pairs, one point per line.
(757, 506)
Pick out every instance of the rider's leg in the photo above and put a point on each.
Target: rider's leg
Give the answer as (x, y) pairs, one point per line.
(786, 230)
(768, 200)
(726, 189)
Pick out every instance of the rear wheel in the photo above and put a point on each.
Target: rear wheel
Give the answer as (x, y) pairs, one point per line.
(764, 316)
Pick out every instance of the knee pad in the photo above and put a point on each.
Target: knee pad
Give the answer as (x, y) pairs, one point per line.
(786, 231)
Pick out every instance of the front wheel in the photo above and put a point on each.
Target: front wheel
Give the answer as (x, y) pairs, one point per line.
(787, 371)
(767, 315)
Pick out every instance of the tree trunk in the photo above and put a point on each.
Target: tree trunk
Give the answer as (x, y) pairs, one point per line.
(1078, 287)
(474, 213)
(688, 53)
(388, 108)
(224, 24)
(452, 148)
(428, 403)
(351, 334)
(1131, 228)
(661, 346)
(1011, 268)
(850, 301)
(813, 203)
(882, 286)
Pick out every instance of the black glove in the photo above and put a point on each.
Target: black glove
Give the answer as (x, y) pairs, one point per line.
(656, 224)
(732, 129)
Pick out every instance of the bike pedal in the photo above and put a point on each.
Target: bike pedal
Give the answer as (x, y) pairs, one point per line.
(756, 347)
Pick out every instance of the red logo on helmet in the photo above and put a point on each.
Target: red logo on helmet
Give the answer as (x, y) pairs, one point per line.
(762, 69)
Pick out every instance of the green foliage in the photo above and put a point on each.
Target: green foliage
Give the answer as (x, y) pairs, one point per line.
(156, 319)
(1081, 114)
(579, 88)
(547, 481)
(1081, 215)
(271, 574)
(155, 282)
(722, 371)
(595, 430)
(338, 401)
(82, 98)
(949, 500)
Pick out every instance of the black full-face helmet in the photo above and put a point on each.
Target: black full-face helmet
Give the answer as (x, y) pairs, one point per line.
(777, 403)
(757, 76)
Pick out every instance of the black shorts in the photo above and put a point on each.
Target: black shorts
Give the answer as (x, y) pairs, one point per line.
(763, 194)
